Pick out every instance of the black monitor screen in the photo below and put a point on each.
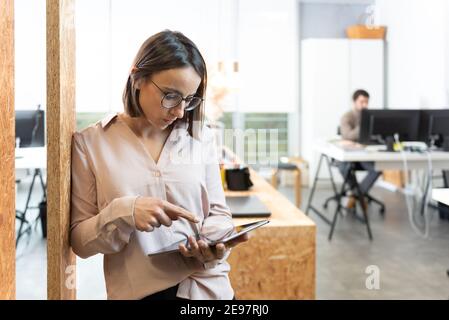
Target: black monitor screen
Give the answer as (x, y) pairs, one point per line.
(377, 125)
(434, 126)
(30, 128)
(440, 125)
(388, 127)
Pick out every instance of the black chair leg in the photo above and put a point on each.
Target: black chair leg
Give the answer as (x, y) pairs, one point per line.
(361, 199)
(326, 203)
(378, 202)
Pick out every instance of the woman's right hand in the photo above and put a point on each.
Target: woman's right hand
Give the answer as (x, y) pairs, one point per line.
(150, 213)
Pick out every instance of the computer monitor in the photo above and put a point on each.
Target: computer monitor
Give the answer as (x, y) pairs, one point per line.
(434, 126)
(377, 125)
(30, 128)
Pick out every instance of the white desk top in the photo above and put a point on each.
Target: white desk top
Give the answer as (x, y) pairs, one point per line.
(441, 195)
(31, 158)
(385, 160)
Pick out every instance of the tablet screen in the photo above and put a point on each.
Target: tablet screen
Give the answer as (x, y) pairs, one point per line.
(239, 230)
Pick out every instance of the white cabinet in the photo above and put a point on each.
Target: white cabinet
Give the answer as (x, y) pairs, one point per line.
(331, 69)
(366, 69)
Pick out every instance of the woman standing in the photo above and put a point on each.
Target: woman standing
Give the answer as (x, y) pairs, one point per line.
(137, 183)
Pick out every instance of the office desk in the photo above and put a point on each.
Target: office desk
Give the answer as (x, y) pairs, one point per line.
(31, 158)
(278, 261)
(441, 195)
(382, 161)
(386, 160)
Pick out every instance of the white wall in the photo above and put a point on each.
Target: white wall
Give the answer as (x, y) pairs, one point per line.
(366, 70)
(93, 73)
(30, 54)
(323, 19)
(260, 34)
(331, 70)
(268, 54)
(418, 52)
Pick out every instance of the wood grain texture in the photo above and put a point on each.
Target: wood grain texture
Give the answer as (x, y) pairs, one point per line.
(7, 156)
(60, 127)
(395, 177)
(278, 262)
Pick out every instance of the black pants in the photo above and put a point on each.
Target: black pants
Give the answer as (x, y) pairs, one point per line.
(368, 181)
(167, 294)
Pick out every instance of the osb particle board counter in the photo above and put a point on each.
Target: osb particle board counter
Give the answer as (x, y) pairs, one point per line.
(278, 261)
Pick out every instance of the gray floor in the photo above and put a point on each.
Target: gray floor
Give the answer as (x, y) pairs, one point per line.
(410, 267)
(31, 261)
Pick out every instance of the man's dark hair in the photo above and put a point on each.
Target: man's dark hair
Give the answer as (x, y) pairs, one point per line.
(359, 93)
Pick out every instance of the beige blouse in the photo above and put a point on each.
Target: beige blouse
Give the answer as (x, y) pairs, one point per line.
(110, 168)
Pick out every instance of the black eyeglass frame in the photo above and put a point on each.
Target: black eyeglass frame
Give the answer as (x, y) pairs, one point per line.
(181, 98)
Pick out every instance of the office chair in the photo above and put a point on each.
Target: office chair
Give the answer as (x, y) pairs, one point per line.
(348, 188)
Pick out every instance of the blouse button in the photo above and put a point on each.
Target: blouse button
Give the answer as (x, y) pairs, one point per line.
(157, 173)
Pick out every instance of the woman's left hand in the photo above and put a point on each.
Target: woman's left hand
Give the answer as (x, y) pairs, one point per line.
(205, 253)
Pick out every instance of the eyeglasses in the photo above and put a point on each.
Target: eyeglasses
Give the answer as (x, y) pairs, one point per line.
(173, 99)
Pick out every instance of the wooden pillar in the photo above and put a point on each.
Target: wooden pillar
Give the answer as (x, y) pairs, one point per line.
(7, 157)
(60, 126)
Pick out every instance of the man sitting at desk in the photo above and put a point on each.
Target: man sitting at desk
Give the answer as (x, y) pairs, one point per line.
(350, 122)
(349, 129)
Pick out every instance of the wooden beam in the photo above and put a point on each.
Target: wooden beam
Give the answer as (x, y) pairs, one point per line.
(60, 127)
(7, 157)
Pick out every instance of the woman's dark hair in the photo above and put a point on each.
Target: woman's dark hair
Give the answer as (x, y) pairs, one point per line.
(163, 51)
(359, 93)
